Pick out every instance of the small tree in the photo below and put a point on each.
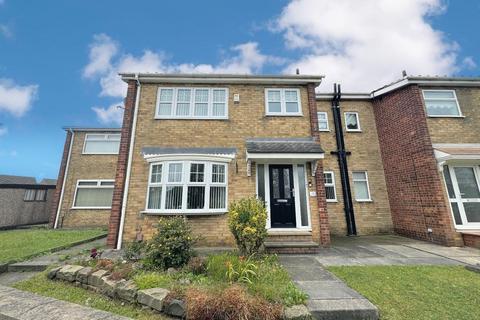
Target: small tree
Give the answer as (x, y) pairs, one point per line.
(172, 244)
(247, 220)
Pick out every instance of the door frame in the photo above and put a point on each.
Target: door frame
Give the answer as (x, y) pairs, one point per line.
(458, 199)
(298, 217)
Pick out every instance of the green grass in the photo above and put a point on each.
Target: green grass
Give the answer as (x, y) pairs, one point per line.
(417, 292)
(39, 284)
(17, 245)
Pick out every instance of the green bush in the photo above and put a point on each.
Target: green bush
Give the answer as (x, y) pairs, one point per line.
(247, 220)
(171, 246)
(134, 250)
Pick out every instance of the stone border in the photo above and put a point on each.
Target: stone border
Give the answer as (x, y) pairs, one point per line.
(4, 265)
(126, 290)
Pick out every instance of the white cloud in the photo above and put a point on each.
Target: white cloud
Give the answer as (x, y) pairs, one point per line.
(105, 63)
(6, 31)
(469, 63)
(3, 131)
(365, 44)
(16, 99)
(110, 115)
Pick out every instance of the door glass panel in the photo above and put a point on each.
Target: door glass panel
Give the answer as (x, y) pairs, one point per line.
(275, 183)
(472, 211)
(467, 182)
(448, 182)
(303, 195)
(286, 184)
(456, 214)
(261, 181)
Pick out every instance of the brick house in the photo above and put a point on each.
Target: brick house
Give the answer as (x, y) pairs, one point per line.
(403, 158)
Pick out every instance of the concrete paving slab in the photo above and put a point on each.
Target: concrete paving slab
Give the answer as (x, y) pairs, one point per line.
(328, 290)
(9, 278)
(16, 304)
(353, 309)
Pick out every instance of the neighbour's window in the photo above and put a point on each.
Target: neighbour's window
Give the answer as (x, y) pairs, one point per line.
(352, 121)
(360, 185)
(101, 143)
(322, 121)
(29, 195)
(94, 194)
(441, 103)
(330, 192)
(282, 102)
(40, 195)
(192, 103)
(187, 186)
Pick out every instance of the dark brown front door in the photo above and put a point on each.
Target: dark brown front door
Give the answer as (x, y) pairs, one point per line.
(282, 201)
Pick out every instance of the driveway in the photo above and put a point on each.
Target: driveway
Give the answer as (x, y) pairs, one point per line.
(393, 250)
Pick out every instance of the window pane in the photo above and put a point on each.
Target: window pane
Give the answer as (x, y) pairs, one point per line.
(99, 146)
(197, 171)
(173, 197)
(107, 183)
(274, 95)
(438, 94)
(274, 107)
(29, 195)
(472, 211)
(196, 197)
(94, 197)
(442, 107)
(183, 109)
(275, 186)
(330, 193)
(286, 184)
(40, 196)
(218, 197)
(448, 182)
(467, 183)
(303, 194)
(361, 190)
(219, 95)
(291, 96)
(322, 115)
(183, 102)
(218, 109)
(351, 120)
(156, 173)
(201, 109)
(166, 95)
(201, 95)
(218, 173)
(261, 181)
(175, 171)
(322, 125)
(456, 214)
(327, 176)
(359, 176)
(87, 183)
(165, 109)
(154, 198)
(291, 107)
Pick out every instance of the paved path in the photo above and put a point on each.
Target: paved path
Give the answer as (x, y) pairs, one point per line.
(16, 304)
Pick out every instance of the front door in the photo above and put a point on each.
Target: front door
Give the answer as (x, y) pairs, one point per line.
(282, 201)
(467, 194)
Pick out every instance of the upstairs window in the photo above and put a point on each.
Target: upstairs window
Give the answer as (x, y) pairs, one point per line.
(322, 121)
(352, 122)
(101, 143)
(361, 187)
(330, 192)
(282, 102)
(192, 103)
(441, 103)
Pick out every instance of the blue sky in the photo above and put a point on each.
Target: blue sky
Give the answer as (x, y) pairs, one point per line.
(58, 59)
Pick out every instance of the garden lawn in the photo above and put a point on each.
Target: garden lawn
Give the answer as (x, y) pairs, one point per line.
(40, 284)
(17, 245)
(416, 292)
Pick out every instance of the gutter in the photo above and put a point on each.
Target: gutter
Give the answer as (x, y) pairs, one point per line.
(129, 166)
(60, 201)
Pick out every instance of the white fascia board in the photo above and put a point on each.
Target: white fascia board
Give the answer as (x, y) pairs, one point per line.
(293, 156)
(150, 158)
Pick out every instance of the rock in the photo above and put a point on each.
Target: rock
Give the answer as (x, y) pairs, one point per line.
(175, 308)
(95, 279)
(127, 291)
(298, 312)
(82, 275)
(68, 272)
(112, 254)
(109, 286)
(53, 273)
(184, 281)
(152, 298)
(171, 270)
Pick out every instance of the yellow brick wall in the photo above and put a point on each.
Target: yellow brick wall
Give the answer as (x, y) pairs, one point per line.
(246, 120)
(458, 130)
(371, 217)
(85, 166)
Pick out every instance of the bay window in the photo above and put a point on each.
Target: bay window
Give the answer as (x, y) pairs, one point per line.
(187, 187)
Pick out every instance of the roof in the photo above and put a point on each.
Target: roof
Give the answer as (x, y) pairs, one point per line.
(93, 129)
(48, 182)
(172, 150)
(283, 145)
(221, 78)
(8, 179)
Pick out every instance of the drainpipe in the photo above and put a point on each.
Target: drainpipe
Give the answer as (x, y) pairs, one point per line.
(342, 154)
(60, 201)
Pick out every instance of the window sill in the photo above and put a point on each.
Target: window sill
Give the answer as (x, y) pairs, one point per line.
(202, 213)
(364, 201)
(454, 117)
(332, 201)
(100, 154)
(91, 208)
(268, 115)
(190, 118)
(353, 131)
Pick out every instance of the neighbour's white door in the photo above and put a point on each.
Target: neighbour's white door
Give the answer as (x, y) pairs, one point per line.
(467, 194)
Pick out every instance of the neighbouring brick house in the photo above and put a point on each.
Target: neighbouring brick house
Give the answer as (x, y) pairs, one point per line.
(24, 201)
(401, 158)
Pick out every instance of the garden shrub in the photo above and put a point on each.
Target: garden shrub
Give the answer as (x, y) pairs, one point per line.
(196, 265)
(247, 219)
(134, 250)
(171, 246)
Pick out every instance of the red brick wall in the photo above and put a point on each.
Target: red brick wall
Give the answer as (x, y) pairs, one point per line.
(114, 223)
(413, 182)
(471, 240)
(319, 183)
(61, 176)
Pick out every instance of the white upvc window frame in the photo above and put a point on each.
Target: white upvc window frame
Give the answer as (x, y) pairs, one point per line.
(29, 193)
(332, 184)
(107, 137)
(369, 199)
(97, 186)
(185, 183)
(283, 106)
(357, 116)
(210, 102)
(460, 115)
(323, 120)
